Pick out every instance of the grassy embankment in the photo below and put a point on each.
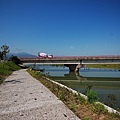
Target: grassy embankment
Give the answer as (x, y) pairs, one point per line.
(6, 68)
(81, 107)
(110, 66)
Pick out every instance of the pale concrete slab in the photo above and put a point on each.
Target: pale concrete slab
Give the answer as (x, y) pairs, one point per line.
(22, 97)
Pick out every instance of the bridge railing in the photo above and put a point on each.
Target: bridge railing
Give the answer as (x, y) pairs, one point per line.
(74, 58)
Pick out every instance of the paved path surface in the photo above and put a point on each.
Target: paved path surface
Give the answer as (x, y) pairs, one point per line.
(24, 98)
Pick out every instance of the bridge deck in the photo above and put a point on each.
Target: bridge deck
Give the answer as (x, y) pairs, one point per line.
(74, 60)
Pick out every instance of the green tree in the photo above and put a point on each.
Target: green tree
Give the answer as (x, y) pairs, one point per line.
(1, 55)
(5, 50)
(15, 59)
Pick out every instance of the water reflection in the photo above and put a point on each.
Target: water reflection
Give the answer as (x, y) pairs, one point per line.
(76, 78)
(108, 89)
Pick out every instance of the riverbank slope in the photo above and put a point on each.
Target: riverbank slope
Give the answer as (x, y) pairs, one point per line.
(6, 68)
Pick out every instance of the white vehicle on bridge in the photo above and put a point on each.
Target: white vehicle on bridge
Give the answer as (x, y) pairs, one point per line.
(50, 56)
(44, 55)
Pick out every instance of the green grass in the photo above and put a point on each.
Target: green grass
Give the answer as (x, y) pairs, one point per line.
(6, 68)
(111, 66)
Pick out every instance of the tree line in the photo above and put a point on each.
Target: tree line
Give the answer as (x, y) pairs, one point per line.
(3, 52)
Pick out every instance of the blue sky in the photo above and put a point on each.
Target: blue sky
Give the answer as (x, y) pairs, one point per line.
(61, 27)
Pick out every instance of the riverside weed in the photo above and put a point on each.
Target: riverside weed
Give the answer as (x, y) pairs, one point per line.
(92, 96)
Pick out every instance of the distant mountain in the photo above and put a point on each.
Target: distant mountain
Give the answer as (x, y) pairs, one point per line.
(22, 55)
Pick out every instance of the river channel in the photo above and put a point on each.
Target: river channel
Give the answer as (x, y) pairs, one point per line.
(106, 82)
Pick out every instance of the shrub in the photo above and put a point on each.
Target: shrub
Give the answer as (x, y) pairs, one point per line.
(92, 96)
(14, 59)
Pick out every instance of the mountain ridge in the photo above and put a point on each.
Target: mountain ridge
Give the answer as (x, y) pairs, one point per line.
(22, 55)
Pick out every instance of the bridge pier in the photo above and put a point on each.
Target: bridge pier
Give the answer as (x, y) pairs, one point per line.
(74, 67)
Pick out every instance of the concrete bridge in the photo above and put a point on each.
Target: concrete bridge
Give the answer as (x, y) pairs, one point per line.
(74, 62)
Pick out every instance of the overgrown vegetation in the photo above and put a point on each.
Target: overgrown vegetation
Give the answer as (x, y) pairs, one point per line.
(6, 68)
(14, 59)
(84, 109)
(92, 96)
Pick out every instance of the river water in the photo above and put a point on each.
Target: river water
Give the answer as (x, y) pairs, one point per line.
(106, 82)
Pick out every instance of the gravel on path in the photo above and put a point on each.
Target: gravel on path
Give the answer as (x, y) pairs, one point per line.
(22, 97)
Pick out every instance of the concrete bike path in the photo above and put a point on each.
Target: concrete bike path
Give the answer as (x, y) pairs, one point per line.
(22, 97)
